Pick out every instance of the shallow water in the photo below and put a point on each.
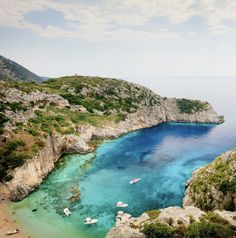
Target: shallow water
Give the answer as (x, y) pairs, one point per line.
(163, 156)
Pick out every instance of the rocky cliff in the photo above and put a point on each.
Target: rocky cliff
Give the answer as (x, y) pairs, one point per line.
(41, 121)
(214, 186)
(178, 221)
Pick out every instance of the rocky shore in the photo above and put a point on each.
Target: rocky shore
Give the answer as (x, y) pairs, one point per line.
(130, 227)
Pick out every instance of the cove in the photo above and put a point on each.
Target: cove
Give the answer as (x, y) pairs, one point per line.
(163, 156)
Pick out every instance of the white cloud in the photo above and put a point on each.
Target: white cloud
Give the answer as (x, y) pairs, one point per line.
(119, 19)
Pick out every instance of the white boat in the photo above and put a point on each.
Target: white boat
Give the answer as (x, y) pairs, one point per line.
(134, 180)
(66, 211)
(121, 204)
(90, 221)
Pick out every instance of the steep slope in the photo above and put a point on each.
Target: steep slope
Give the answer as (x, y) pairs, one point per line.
(13, 71)
(73, 114)
(214, 186)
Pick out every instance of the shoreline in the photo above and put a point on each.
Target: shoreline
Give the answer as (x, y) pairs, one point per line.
(7, 219)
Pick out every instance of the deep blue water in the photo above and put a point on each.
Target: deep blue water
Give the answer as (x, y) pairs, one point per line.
(163, 156)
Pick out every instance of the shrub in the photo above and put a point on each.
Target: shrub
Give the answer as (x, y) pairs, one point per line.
(228, 185)
(3, 119)
(153, 213)
(16, 106)
(214, 217)
(190, 106)
(157, 230)
(11, 156)
(229, 206)
(33, 131)
(2, 106)
(12, 145)
(120, 117)
(205, 229)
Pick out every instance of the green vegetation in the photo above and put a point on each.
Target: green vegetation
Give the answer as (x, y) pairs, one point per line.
(3, 119)
(14, 106)
(210, 225)
(190, 106)
(157, 230)
(12, 156)
(120, 117)
(220, 175)
(206, 229)
(153, 213)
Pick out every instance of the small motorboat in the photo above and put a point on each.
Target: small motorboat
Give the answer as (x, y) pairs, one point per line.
(90, 221)
(134, 180)
(121, 204)
(66, 211)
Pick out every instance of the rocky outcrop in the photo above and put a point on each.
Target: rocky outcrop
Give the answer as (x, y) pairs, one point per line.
(27, 177)
(214, 186)
(130, 227)
(173, 114)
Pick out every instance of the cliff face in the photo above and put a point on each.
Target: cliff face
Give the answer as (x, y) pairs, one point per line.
(32, 173)
(214, 186)
(42, 121)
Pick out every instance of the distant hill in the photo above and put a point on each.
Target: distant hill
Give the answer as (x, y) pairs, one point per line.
(13, 71)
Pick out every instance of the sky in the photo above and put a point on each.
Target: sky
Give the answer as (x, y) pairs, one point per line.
(120, 38)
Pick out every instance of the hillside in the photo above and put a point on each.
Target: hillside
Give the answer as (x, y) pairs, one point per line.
(214, 186)
(39, 122)
(12, 71)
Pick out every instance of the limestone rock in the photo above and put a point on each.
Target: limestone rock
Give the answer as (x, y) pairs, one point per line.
(211, 186)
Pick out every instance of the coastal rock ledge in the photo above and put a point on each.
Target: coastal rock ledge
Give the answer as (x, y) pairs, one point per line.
(174, 217)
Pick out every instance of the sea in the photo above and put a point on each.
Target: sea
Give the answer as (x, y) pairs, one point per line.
(163, 156)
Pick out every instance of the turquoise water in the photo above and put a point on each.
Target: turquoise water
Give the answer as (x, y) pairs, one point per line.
(163, 156)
